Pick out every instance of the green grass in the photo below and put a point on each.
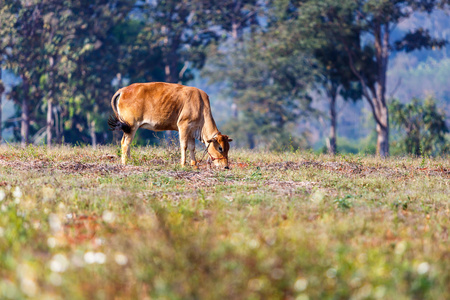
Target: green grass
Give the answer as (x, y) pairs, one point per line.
(75, 224)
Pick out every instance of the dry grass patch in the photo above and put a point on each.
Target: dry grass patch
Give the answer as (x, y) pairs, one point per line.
(75, 223)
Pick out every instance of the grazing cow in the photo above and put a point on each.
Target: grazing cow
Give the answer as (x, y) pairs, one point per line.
(162, 106)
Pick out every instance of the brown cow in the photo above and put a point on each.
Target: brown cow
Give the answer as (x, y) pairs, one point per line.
(161, 106)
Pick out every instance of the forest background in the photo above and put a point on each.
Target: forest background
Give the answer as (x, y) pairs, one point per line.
(348, 76)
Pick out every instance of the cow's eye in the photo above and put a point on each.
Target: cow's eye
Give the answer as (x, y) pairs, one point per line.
(220, 149)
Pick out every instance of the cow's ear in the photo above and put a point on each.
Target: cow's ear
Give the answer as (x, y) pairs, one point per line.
(227, 138)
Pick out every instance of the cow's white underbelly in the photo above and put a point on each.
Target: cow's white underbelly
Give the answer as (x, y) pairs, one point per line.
(156, 126)
(150, 125)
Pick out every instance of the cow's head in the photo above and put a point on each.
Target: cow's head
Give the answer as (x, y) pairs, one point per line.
(218, 150)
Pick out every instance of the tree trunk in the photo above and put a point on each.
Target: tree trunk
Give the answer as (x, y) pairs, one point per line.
(251, 140)
(56, 121)
(416, 149)
(332, 148)
(25, 122)
(50, 107)
(234, 30)
(49, 122)
(1, 92)
(92, 131)
(234, 110)
(170, 71)
(25, 115)
(382, 57)
(383, 133)
(375, 92)
(93, 136)
(2, 89)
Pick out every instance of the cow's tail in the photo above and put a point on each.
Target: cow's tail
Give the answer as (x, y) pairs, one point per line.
(114, 121)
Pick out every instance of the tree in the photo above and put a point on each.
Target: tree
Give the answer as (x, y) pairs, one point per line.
(6, 33)
(424, 126)
(49, 50)
(368, 57)
(234, 16)
(336, 81)
(21, 40)
(180, 31)
(335, 78)
(2, 89)
(57, 32)
(99, 53)
(40, 40)
(268, 80)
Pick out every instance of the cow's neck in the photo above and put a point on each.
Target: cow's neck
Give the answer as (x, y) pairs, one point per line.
(209, 129)
(209, 134)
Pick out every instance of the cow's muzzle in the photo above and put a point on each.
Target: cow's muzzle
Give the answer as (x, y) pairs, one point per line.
(219, 161)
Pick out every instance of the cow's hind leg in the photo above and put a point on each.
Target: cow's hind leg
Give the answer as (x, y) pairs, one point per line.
(186, 141)
(126, 143)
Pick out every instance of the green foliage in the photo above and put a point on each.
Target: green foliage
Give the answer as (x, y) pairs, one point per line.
(268, 80)
(74, 54)
(423, 126)
(348, 25)
(344, 203)
(179, 32)
(52, 54)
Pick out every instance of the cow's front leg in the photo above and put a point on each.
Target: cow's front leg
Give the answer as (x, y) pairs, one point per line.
(191, 147)
(183, 146)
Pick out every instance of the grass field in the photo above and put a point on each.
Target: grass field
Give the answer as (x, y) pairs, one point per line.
(75, 224)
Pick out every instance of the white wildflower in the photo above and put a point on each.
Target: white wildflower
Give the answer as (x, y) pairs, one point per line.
(89, 257)
(120, 259)
(253, 244)
(301, 284)
(59, 263)
(100, 258)
(423, 268)
(27, 278)
(400, 248)
(54, 222)
(94, 257)
(17, 193)
(77, 259)
(51, 242)
(55, 279)
(108, 216)
(28, 286)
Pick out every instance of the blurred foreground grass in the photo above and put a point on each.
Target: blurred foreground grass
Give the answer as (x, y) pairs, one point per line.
(75, 224)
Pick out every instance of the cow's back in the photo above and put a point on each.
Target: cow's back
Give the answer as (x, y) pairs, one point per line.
(160, 106)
